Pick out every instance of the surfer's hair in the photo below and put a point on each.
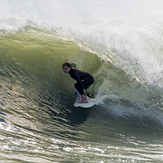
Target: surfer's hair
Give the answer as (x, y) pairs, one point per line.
(66, 64)
(69, 65)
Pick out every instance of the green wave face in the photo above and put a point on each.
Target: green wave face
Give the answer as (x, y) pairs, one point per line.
(36, 58)
(33, 60)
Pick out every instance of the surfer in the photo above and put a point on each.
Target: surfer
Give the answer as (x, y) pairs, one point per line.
(84, 79)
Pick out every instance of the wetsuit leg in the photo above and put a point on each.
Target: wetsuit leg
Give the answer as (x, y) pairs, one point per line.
(78, 88)
(86, 83)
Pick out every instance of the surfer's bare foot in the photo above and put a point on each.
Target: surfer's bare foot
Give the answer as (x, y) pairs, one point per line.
(84, 99)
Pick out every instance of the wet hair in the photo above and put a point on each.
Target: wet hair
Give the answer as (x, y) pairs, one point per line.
(69, 65)
(66, 64)
(73, 65)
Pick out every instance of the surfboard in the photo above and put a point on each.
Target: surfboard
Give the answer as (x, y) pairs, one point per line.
(91, 101)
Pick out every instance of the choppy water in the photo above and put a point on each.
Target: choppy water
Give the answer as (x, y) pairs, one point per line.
(120, 43)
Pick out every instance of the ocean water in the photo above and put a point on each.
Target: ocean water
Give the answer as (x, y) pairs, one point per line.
(119, 43)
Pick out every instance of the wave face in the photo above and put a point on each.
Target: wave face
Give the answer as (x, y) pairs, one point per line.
(119, 43)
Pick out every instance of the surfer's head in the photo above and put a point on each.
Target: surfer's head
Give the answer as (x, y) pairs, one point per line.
(66, 67)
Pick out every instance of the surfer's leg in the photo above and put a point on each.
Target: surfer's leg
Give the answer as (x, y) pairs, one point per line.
(78, 88)
(88, 82)
(84, 99)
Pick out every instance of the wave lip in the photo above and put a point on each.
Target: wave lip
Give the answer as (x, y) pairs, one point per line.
(12, 25)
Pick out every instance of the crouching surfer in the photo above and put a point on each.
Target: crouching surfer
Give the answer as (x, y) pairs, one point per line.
(84, 79)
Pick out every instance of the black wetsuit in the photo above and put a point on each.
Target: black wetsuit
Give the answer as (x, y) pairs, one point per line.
(84, 80)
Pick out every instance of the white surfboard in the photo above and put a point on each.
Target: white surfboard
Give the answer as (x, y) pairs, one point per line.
(91, 101)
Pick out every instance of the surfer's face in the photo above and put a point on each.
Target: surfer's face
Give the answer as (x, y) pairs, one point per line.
(66, 69)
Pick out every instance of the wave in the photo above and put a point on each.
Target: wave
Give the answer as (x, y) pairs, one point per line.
(31, 67)
(119, 43)
(135, 48)
(121, 49)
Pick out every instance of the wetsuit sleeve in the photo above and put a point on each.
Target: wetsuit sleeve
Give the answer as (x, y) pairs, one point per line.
(80, 84)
